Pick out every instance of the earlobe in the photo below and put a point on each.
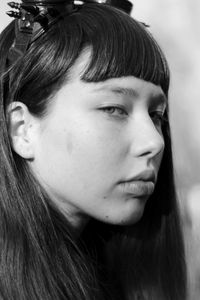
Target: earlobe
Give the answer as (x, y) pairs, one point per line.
(20, 124)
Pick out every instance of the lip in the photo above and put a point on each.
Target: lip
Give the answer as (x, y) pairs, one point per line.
(138, 188)
(142, 184)
(146, 175)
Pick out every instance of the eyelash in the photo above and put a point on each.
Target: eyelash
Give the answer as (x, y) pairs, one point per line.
(156, 116)
(114, 110)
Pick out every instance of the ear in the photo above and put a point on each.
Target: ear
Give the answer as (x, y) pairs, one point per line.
(21, 129)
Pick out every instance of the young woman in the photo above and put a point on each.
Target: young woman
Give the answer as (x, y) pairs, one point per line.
(87, 200)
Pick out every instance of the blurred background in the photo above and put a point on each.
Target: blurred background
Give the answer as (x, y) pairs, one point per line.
(176, 26)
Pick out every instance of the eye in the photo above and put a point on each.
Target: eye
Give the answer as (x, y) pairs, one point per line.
(114, 110)
(158, 117)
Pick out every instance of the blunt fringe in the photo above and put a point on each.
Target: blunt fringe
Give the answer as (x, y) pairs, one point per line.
(39, 258)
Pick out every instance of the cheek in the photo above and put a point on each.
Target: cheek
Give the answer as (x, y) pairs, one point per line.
(158, 159)
(94, 157)
(69, 143)
(81, 158)
(96, 148)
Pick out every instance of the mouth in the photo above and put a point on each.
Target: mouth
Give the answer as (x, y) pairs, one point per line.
(140, 185)
(138, 188)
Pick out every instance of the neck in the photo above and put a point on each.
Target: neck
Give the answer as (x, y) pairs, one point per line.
(76, 219)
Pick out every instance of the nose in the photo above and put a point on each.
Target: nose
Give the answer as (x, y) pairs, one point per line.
(147, 139)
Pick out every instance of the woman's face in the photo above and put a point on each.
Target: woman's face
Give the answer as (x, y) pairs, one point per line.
(99, 148)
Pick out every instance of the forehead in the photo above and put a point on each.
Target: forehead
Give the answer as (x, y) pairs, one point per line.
(133, 88)
(128, 86)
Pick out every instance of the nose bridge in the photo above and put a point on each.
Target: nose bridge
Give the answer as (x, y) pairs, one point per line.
(146, 140)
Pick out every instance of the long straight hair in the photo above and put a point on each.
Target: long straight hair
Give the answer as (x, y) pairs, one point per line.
(39, 257)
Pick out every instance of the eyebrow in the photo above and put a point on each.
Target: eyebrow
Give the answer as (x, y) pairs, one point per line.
(119, 90)
(159, 99)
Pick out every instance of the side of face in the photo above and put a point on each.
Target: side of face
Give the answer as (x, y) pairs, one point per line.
(98, 150)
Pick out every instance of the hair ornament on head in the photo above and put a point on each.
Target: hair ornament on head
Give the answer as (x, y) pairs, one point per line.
(33, 16)
(36, 16)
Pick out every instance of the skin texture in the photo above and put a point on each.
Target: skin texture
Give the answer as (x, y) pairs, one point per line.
(93, 137)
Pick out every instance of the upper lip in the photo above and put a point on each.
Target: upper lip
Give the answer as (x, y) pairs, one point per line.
(146, 175)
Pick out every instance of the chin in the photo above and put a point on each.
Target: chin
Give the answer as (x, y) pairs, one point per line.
(129, 218)
(134, 218)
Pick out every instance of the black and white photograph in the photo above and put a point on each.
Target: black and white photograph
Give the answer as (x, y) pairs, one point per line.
(100, 150)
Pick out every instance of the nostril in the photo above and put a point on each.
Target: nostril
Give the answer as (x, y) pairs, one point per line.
(150, 148)
(147, 153)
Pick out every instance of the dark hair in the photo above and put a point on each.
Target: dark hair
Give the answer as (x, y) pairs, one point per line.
(39, 258)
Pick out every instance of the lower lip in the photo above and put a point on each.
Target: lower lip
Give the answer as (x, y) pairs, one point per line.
(138, 188)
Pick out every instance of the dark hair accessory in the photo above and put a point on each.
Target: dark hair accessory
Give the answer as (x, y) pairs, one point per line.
(35, 16)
